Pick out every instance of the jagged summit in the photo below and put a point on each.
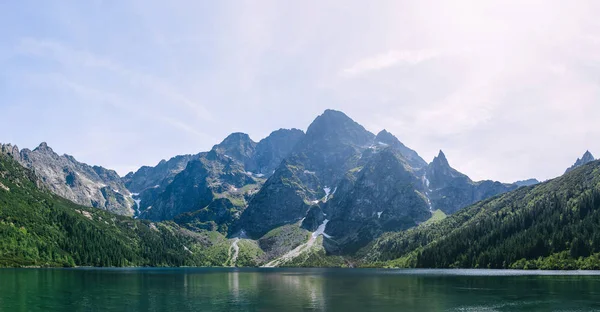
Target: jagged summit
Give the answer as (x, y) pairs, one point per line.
(337, 125)
(441, 159)
(235, 140)
(92, 186)
(43, 147)
(586, 158)
(386, 138)
(237, 145)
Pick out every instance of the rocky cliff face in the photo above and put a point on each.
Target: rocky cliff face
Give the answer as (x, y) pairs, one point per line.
(212, 176)
(162, 174)
(332, 145)
(83, 184)
(238, 146)
(234, 169)
(271, 150)
(285, 198)
(384, 138)
(586, 158)
(450, 190)
(384, 195)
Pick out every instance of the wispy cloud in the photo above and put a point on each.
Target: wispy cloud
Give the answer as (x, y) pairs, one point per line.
(389, 59)
(73, 57)
(92, 95)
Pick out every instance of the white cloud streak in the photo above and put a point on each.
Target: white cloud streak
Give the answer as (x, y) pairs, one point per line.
(389, 59)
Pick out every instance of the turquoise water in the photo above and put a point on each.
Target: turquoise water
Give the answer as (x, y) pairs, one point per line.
(296, 290)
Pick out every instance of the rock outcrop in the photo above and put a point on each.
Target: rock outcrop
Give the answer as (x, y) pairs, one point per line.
(92, 186)
(585, 159)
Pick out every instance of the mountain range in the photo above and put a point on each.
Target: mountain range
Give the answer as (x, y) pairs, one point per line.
(336, 190)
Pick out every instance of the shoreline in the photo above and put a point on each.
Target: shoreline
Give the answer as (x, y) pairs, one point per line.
(392, 271)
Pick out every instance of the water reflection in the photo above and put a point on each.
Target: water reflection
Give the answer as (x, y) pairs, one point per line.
(289, 290)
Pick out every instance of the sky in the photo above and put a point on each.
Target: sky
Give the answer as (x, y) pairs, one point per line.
(509, 90)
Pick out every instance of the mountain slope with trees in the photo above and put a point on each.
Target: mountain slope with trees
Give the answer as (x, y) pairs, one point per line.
(553, 225)
(38, 228)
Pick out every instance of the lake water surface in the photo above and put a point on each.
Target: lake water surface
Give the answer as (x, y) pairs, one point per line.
(181, 290)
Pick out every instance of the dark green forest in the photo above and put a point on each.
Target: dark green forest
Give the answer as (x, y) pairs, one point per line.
(553, 225)
(41, 229)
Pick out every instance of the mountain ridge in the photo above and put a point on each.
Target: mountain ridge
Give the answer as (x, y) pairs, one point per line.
(337, 177)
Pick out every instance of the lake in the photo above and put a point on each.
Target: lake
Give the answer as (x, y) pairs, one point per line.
(203, 289)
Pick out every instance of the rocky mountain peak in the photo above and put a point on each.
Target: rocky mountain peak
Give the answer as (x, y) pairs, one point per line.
(441, 160)
(441, 174)
(236, 138)
(238, 146)
(586, 158)
(386, 138)
(335, 125)
(43, 147)
(271, 150)
(10, 150)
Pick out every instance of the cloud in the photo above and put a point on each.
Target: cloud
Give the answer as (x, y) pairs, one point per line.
(92, 95)
(68, 56)
(389, 59)
(509, 89)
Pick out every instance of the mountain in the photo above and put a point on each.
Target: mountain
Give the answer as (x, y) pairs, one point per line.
(238, 146)
(528, 182)
(384, 195)
(357, 185)
(271, 150)
(293, 198)
(552, 225)
(387, 139)
(227, 176)
(212, 176)
(38, 228)
(450, 190)
(149, 177)
(587, 158)
(333, 144)
(91, 186)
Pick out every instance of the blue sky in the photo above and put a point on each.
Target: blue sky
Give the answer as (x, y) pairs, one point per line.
(508, 89)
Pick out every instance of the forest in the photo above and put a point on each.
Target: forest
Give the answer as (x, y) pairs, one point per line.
(553, 225)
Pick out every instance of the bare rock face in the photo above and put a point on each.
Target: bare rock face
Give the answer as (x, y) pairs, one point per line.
(587, 158)
(162, 174)
(384, 195)
(271, 150)
(450, 190)
(332, 145)
(210, 177)
(234, 169)
(10, 150)
(387, 139)
(83, 184)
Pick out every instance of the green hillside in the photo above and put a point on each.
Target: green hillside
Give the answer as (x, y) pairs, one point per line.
(554, 225)
(41, 229)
